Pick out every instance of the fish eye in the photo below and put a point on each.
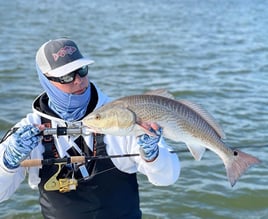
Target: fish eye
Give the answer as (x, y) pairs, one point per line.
(98, 117)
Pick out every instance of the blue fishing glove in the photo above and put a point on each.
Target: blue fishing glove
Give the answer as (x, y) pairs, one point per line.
(22, 142)
(149, 145)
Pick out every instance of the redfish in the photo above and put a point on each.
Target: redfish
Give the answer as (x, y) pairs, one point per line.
(181, 120)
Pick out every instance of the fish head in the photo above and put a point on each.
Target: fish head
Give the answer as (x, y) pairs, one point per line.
(113, 120)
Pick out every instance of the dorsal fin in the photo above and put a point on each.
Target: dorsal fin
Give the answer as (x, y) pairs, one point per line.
(160, 92)
(205, 115)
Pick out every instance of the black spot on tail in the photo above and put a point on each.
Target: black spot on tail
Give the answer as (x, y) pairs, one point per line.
(235, 153)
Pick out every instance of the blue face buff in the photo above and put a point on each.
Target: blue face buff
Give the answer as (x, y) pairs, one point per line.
(70, 107)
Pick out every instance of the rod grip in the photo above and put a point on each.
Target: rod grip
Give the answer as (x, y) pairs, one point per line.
(38, 162)
(31, 163)
(77, 159)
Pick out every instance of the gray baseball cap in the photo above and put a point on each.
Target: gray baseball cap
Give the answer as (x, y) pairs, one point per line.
(60, 57)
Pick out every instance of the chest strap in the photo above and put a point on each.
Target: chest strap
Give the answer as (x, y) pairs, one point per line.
(99, 147)
(48, 142)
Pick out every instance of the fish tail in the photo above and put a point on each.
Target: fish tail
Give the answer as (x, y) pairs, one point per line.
(238, 164)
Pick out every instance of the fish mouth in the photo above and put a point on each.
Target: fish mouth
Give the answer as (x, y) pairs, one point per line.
(92, 129)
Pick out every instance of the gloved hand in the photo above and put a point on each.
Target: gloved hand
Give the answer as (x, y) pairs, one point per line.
(149, 145)
(22, 142)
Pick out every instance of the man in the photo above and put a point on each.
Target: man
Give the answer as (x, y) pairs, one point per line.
(100, 188)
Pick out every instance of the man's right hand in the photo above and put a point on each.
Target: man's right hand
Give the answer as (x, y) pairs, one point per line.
(22, 142)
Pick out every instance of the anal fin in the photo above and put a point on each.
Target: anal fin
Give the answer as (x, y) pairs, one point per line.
(196, 151)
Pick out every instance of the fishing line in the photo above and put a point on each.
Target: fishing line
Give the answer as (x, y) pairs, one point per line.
(98, 173)
(7, 134)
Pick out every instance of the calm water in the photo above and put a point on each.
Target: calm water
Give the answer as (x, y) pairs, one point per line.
(212, 52)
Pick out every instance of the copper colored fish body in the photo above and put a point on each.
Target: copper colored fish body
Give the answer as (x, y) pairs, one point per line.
(181, 120)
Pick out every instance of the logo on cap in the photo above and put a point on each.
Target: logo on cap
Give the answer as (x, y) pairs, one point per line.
(66, 50)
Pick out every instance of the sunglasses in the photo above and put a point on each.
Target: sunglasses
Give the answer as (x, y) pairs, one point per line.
(66, 79)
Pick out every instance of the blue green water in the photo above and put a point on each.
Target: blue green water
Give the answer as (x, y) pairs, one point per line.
(211, 52)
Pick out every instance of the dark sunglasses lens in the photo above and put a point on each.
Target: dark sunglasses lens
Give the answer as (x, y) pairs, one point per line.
(82, 71)
(70, 77)
(67, 78)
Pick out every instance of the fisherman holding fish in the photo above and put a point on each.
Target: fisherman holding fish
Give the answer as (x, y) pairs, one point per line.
(102, 186)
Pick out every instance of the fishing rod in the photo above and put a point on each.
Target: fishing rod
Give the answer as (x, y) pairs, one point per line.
(78, 130)
(58, 131)
(74, 159)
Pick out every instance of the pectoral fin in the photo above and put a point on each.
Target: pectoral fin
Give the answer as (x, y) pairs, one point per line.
(147, 127)
(196, 151)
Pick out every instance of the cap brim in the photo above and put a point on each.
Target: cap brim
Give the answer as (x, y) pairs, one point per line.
(66, 69)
